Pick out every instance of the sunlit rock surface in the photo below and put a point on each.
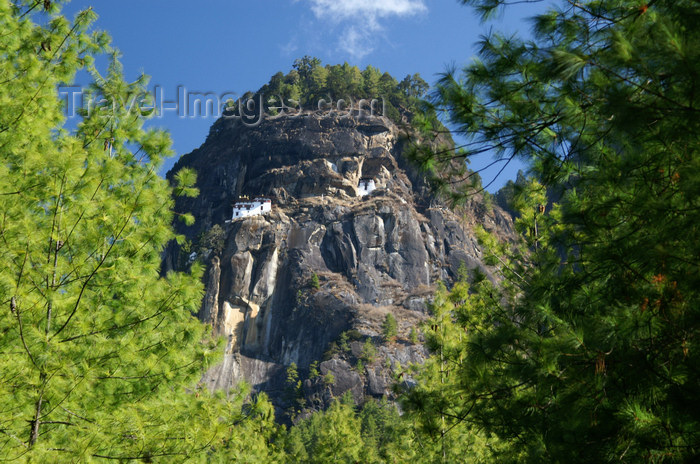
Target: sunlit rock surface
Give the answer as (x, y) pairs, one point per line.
(375, 254)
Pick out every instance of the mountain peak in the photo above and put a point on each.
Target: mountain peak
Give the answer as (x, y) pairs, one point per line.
(329, 259)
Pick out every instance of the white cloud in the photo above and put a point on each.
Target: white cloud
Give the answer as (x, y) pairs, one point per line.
(365, 18)
(370, 9)
(356, 41)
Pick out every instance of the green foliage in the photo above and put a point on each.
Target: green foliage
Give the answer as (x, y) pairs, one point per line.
(213, 240)
(413, 336)
(385, 435)
(313, 370)
(294, 394)
(184, 181)
(309, 82)
(586, 353)
(360, 367)
(100, 353)
(369, 352)
(505, 197)
(314, 282)
(184, 252)
(389, 328)
(342, 345)
(332, 350)
(293, 382)
(329, 379)
(329, 436)
(353, 335)
(587, 350)
(375, 434)
(436, 407)
(488, 201)
(251, 432)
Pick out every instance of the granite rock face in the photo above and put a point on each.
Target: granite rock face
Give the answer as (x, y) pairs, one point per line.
(372, 255)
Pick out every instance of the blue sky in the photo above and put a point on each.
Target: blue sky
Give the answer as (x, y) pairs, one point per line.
(225, 46)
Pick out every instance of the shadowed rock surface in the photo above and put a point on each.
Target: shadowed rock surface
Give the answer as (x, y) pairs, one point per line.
(377, 254)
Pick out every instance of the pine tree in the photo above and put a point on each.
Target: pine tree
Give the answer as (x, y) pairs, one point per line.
(370, 79)
(251, 432)
(389, 328)
(314, 282)
(333, 435)
(369, 352)
(440, 418)
(589, 355)
(97, 347)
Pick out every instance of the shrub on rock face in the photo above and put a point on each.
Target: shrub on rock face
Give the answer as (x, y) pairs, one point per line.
(369, 352)
(413, 336)
(314, 282)
(214, 240)
(389, 328)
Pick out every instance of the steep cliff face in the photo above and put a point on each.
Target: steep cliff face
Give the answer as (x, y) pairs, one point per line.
(313, 279)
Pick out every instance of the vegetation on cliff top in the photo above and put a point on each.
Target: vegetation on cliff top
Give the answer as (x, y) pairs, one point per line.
(310, 83)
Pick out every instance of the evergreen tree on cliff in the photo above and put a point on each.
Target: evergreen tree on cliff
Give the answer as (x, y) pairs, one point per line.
(96, 347)
(591, 352)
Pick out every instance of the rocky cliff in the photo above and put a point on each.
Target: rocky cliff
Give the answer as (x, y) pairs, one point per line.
(313, 279)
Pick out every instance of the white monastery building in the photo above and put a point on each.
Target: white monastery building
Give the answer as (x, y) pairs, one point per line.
(366, 186)
(254, 207)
